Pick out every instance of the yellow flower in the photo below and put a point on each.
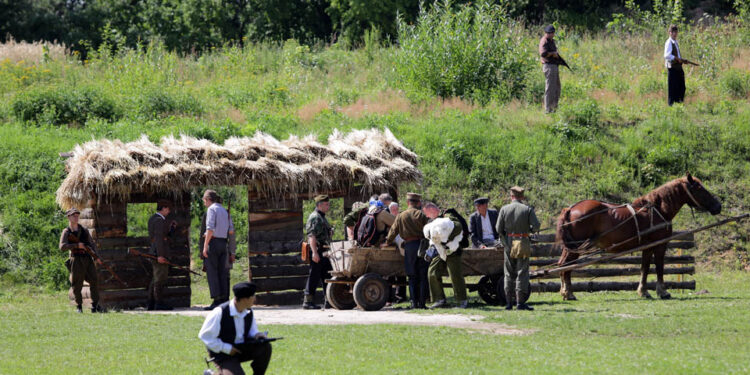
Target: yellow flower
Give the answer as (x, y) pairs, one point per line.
(596, 67)
(576, 55)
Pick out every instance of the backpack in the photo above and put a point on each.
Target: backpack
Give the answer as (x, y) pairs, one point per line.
(367, 233)
(464, 226)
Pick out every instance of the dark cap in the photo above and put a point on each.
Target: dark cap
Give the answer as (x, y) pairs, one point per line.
(161, 203)
(482, 200)
(212, 195)
(413, 197)
(72, 211)
(517, 190)
(549, 29)
(244, 289)
(321, 198)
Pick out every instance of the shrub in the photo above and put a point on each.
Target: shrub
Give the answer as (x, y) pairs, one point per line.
(157, 102)
(60, 106)
(470, 52)
(578, 121)
(734, 82)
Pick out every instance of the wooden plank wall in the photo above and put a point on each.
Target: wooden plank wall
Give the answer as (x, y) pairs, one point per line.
(275, 234)
(108, 224)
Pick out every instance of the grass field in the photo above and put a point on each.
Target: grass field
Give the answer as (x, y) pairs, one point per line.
(602, 333)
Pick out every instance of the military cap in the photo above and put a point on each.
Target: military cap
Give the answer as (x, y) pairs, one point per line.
(517, 190)
(482, 200)
(72, 211)
(549, 29)
(321, 198)
(413, 197)
(244, 289)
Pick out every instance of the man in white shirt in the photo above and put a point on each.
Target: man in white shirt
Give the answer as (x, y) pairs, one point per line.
(231, 334)
(482, 224)
(219, 227)
(675, 74)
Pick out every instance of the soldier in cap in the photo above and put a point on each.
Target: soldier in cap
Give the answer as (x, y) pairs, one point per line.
(482, 224)
(409, 225)
(319, 233)
(550, 67)
(159, 232)
(231, 334)
(219, 227)
(75, 239)
(515, 221)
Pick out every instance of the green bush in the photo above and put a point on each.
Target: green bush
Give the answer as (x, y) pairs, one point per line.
(649, 84)
(61, 106)
(734, 82)
(470, 52)
(156, 102)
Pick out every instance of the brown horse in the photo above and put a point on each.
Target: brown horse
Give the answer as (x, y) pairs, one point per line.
(592, 224)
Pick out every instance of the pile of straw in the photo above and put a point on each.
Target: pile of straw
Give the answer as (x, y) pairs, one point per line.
(111, 170)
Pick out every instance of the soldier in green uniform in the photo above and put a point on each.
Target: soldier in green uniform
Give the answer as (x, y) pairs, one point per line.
(451, 265)
(515, 221)
(359, 209)
(159, 232)
(75, 238)
(409, 225)
(319, 233)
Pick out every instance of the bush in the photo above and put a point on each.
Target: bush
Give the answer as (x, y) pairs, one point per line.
(158, 102)
(60, 106)
(579, 121)
(734, 82)
(470, 52)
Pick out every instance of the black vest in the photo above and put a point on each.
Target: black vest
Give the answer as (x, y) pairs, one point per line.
(228, 332)
(675, 54)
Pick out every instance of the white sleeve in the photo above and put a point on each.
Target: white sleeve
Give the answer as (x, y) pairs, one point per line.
(209, 333)
(668, 51)
(253, 328)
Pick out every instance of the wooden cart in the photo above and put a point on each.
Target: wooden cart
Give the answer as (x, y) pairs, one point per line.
(363, 276)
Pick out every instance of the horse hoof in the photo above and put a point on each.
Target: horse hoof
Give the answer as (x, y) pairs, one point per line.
(646, 296)
(666, 296)
(570, 298)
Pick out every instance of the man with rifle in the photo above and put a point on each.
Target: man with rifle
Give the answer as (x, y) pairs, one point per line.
(551, 61)
(75, 239)
(319, 233)
(158, 232)
(675, 74)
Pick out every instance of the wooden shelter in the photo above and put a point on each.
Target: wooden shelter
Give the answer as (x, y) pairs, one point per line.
(105, 176)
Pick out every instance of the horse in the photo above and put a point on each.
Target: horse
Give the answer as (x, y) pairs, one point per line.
(590, 225)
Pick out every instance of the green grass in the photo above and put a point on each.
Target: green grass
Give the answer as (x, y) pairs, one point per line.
(603, 333)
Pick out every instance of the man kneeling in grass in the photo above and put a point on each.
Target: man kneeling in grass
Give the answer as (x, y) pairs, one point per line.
(231, 334)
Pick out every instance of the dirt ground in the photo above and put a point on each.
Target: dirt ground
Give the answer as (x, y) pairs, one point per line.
(296, 315)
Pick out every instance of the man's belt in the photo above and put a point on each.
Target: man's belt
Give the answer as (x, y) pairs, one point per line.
(409, 239)
(518, 234)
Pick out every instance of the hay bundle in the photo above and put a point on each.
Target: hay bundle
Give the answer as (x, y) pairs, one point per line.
(109, 170)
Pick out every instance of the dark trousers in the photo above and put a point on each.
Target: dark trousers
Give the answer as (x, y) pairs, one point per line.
(158, 281)
(216, 269)
(260, 354)
(318, 273)
(82, 269)
(675, 84)
(416, 269)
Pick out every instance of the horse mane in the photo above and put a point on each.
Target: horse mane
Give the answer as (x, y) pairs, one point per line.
(666, 197)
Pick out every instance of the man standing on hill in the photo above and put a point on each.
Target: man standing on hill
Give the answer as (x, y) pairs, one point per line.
(158, 232)
(409, 225)
(75, 238)
(675, 74)
(515, 221)
(550, 66)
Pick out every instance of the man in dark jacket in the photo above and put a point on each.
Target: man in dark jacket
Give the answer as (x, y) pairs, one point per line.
(482, 224)
(75, 238)
(159, 232)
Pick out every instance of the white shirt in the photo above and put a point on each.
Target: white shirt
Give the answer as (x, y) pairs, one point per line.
(209, 333)
(668, 51)
(487, 233)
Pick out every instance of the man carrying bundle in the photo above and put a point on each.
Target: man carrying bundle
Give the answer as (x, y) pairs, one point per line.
(75, 238)
(447, 232)
(515, 221)
(409, 225)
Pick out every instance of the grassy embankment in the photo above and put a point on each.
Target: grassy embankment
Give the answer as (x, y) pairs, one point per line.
(614, 138)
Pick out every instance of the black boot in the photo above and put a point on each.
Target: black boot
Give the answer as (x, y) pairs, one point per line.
(509, 306)
(96, 308)
(309, 304)
(522, 303)
(509, 301)
(79, 309)
(150, 305)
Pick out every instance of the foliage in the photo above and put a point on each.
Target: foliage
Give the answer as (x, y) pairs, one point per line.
(735, 83)
(474, 52)
(635, 19)
(62, 105)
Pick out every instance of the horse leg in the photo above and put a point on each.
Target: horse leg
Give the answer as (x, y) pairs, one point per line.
(566, 287)
(645, 264)
(661, 291)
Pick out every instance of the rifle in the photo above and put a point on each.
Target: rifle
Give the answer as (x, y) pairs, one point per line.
(135, 252)
(686, 61)
(74, 239)
(563, 62)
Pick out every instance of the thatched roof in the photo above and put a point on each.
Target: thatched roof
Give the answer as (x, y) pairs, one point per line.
(108, 170)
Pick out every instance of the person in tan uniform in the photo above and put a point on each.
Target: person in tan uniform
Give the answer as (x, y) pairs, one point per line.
(409, 224)
(514, 223)
(75, 238)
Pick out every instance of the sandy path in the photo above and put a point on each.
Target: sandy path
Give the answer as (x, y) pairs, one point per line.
(296, 315)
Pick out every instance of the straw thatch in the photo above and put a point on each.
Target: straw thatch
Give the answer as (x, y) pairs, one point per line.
(104, 169)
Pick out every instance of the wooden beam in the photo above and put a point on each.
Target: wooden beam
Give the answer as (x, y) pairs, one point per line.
(280, 283)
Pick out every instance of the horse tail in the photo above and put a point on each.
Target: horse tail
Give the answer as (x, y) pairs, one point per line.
(562, 234)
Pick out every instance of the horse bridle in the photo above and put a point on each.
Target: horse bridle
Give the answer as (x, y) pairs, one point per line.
(692, 198)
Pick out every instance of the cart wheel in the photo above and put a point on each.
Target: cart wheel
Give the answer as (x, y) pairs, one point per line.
(491, 291)
(371, 292)
(340, 296)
